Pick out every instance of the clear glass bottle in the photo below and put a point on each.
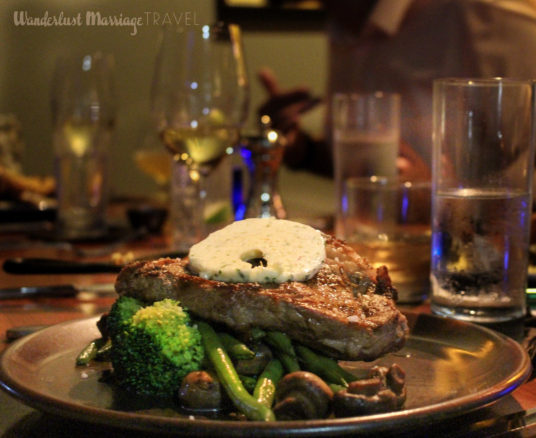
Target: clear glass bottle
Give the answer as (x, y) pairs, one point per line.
(263, 155)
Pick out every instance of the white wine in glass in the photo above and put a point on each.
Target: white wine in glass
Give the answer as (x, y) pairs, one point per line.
(83, 111)
(200, 102)
(200, 148)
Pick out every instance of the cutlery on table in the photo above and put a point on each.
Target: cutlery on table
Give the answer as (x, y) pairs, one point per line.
(55, 291)
(32, 265)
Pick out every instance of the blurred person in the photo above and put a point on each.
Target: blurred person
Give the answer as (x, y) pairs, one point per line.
(402, 46)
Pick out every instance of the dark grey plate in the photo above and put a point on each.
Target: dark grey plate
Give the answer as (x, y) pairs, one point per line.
(452, 367)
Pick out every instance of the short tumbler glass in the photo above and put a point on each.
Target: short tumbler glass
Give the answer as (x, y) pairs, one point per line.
(388, 223)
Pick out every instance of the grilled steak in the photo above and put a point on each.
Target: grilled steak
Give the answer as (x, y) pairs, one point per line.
(347, 310)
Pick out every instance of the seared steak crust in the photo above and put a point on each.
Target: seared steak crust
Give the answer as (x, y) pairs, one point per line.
(347, 310)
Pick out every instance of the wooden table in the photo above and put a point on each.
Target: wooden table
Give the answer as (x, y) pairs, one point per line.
(21, 421)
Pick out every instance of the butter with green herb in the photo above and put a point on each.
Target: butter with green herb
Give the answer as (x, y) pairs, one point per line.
(262, 250)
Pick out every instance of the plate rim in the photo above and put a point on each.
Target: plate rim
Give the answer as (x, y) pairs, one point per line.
(360, 424)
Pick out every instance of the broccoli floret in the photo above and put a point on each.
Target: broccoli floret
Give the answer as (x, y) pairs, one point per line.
(121, 314)
(153, 346)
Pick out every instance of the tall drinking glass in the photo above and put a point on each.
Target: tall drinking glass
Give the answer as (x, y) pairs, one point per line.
(200, 100)
(83, 111)
(366, 136)
(483, 161)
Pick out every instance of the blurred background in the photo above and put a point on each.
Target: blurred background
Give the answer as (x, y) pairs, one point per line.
(295, 50)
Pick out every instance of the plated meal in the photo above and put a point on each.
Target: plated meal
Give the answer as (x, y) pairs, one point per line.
(192, 350)
(253, 322)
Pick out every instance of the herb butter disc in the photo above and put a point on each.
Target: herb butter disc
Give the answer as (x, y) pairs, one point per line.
(259, 250)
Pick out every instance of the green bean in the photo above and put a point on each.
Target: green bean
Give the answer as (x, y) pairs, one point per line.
(257, 334)
(236, 349)
(324, 366)
(281, 342)
(264, 391)
(255, 366)
(290, 363)
(229, 378)
(103, 353)
(89, 352)
(284, 350)
(249, 382)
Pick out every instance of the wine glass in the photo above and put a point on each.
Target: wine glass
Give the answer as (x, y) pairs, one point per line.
(200, 102)
(83, 111)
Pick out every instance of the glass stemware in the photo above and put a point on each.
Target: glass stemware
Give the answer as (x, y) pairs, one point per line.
(200, 101)
(83, 110)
